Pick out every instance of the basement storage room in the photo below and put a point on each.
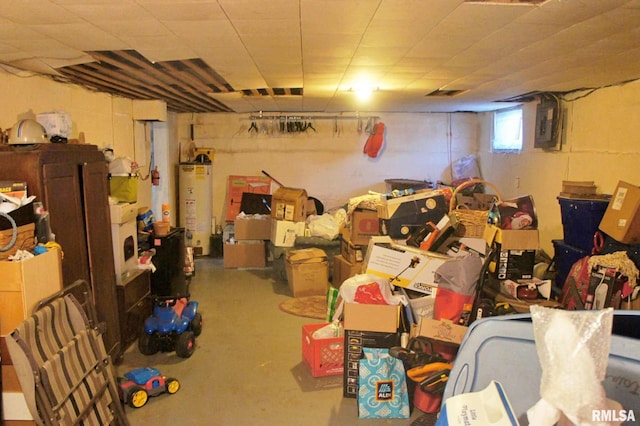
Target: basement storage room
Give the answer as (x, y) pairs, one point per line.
(320, 212)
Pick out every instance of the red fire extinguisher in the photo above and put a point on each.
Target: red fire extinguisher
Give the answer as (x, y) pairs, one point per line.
(155, 177)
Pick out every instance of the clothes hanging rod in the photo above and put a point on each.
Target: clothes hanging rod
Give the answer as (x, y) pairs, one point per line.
(295, 117)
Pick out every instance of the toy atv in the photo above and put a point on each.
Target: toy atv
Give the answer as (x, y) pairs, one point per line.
(138, 385)
(174, 325)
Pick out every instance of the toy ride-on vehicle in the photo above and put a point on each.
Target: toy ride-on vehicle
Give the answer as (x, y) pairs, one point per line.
(174, 325)
(138, 385)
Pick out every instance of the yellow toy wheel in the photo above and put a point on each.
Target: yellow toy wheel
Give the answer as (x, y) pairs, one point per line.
(173, 386)
(138, 398)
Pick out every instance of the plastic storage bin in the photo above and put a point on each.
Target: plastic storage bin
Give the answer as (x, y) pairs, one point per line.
(580, 220)
(503, 348)
(565, 256)
(325, 357)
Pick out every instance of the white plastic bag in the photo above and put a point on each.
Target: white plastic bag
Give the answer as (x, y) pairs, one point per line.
(324, 226)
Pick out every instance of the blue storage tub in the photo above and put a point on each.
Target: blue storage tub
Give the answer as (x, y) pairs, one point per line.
(503, 348)
(565, 256)
(580, 220)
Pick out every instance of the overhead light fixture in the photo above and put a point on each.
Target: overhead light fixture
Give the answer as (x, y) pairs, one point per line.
(363, 90)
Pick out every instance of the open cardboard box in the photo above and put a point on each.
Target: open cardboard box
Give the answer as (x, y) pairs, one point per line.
(442, 330)
(367, 317)
(390, 260)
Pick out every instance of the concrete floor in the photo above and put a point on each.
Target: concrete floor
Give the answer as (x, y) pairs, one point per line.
(247, 368)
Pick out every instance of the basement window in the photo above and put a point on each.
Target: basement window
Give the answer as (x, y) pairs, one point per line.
(507, 130)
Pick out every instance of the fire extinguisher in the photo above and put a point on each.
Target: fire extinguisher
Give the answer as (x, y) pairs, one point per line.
(155, 177)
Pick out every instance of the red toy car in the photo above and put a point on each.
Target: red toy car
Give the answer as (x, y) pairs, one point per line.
(138, 385)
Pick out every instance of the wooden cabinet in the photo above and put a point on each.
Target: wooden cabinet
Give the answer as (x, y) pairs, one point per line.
(71, 182)
(135, 306)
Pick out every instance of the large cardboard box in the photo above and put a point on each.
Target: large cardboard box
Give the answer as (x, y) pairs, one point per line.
(389, 260)
(343, 269)
(442, 330)
(350, 251)
(284, 232)
(238, 185)
(245, 254)
(367, 317)
(24, 284)
(252, 228)
(307, 272)
(621, 220)
(289, 204)
(400, 217)
(517, 251)
(364, 225)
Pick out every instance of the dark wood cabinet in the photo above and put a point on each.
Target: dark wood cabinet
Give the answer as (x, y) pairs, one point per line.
(135, 306)
(71, 182)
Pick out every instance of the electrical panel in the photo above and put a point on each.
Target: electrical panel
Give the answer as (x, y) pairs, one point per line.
(547, 131)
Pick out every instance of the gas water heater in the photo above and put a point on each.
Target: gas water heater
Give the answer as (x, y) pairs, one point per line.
(195, 209)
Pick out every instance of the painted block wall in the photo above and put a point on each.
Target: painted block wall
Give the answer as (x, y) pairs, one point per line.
(105, 120)
(600, 143)
(330, 164)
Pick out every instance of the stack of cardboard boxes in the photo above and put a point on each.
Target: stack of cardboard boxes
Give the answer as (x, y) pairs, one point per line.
(248, 249)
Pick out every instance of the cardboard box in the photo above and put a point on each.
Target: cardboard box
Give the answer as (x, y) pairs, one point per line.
(515, 264)
(621, 220)
(252, 228)
(12, 188)
(24, 284)
(364, 317)
(400, 217)
(244, 254)
(238, 185)
(307, 272)
(442, 330)
(364, 225)
(462, 246)
(284, 232)
(351, 252)
(517, 251)
(343, 269)
(388, 260)
(289, 204)
(510, 287)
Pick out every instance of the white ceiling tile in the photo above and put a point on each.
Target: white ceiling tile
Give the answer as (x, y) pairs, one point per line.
(407, 46)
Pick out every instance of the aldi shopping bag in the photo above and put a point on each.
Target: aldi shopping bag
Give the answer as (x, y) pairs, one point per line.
(382, 391)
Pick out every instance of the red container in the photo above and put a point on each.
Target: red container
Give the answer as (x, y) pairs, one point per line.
(325, 357)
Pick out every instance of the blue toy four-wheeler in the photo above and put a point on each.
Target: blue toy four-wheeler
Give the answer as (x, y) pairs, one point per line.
(138, 385)
(174, 325)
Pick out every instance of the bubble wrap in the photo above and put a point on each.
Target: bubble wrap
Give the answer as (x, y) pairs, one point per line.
(573, 349)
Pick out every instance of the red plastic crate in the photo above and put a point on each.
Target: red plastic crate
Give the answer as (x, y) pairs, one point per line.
(325, 357)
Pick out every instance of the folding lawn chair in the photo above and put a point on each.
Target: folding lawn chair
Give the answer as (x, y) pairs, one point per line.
(63, 368)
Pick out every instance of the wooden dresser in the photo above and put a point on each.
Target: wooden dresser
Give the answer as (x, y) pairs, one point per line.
(135, 305)
(71, 182)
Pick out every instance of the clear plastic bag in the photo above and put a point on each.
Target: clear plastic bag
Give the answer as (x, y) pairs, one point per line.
(573, 349)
